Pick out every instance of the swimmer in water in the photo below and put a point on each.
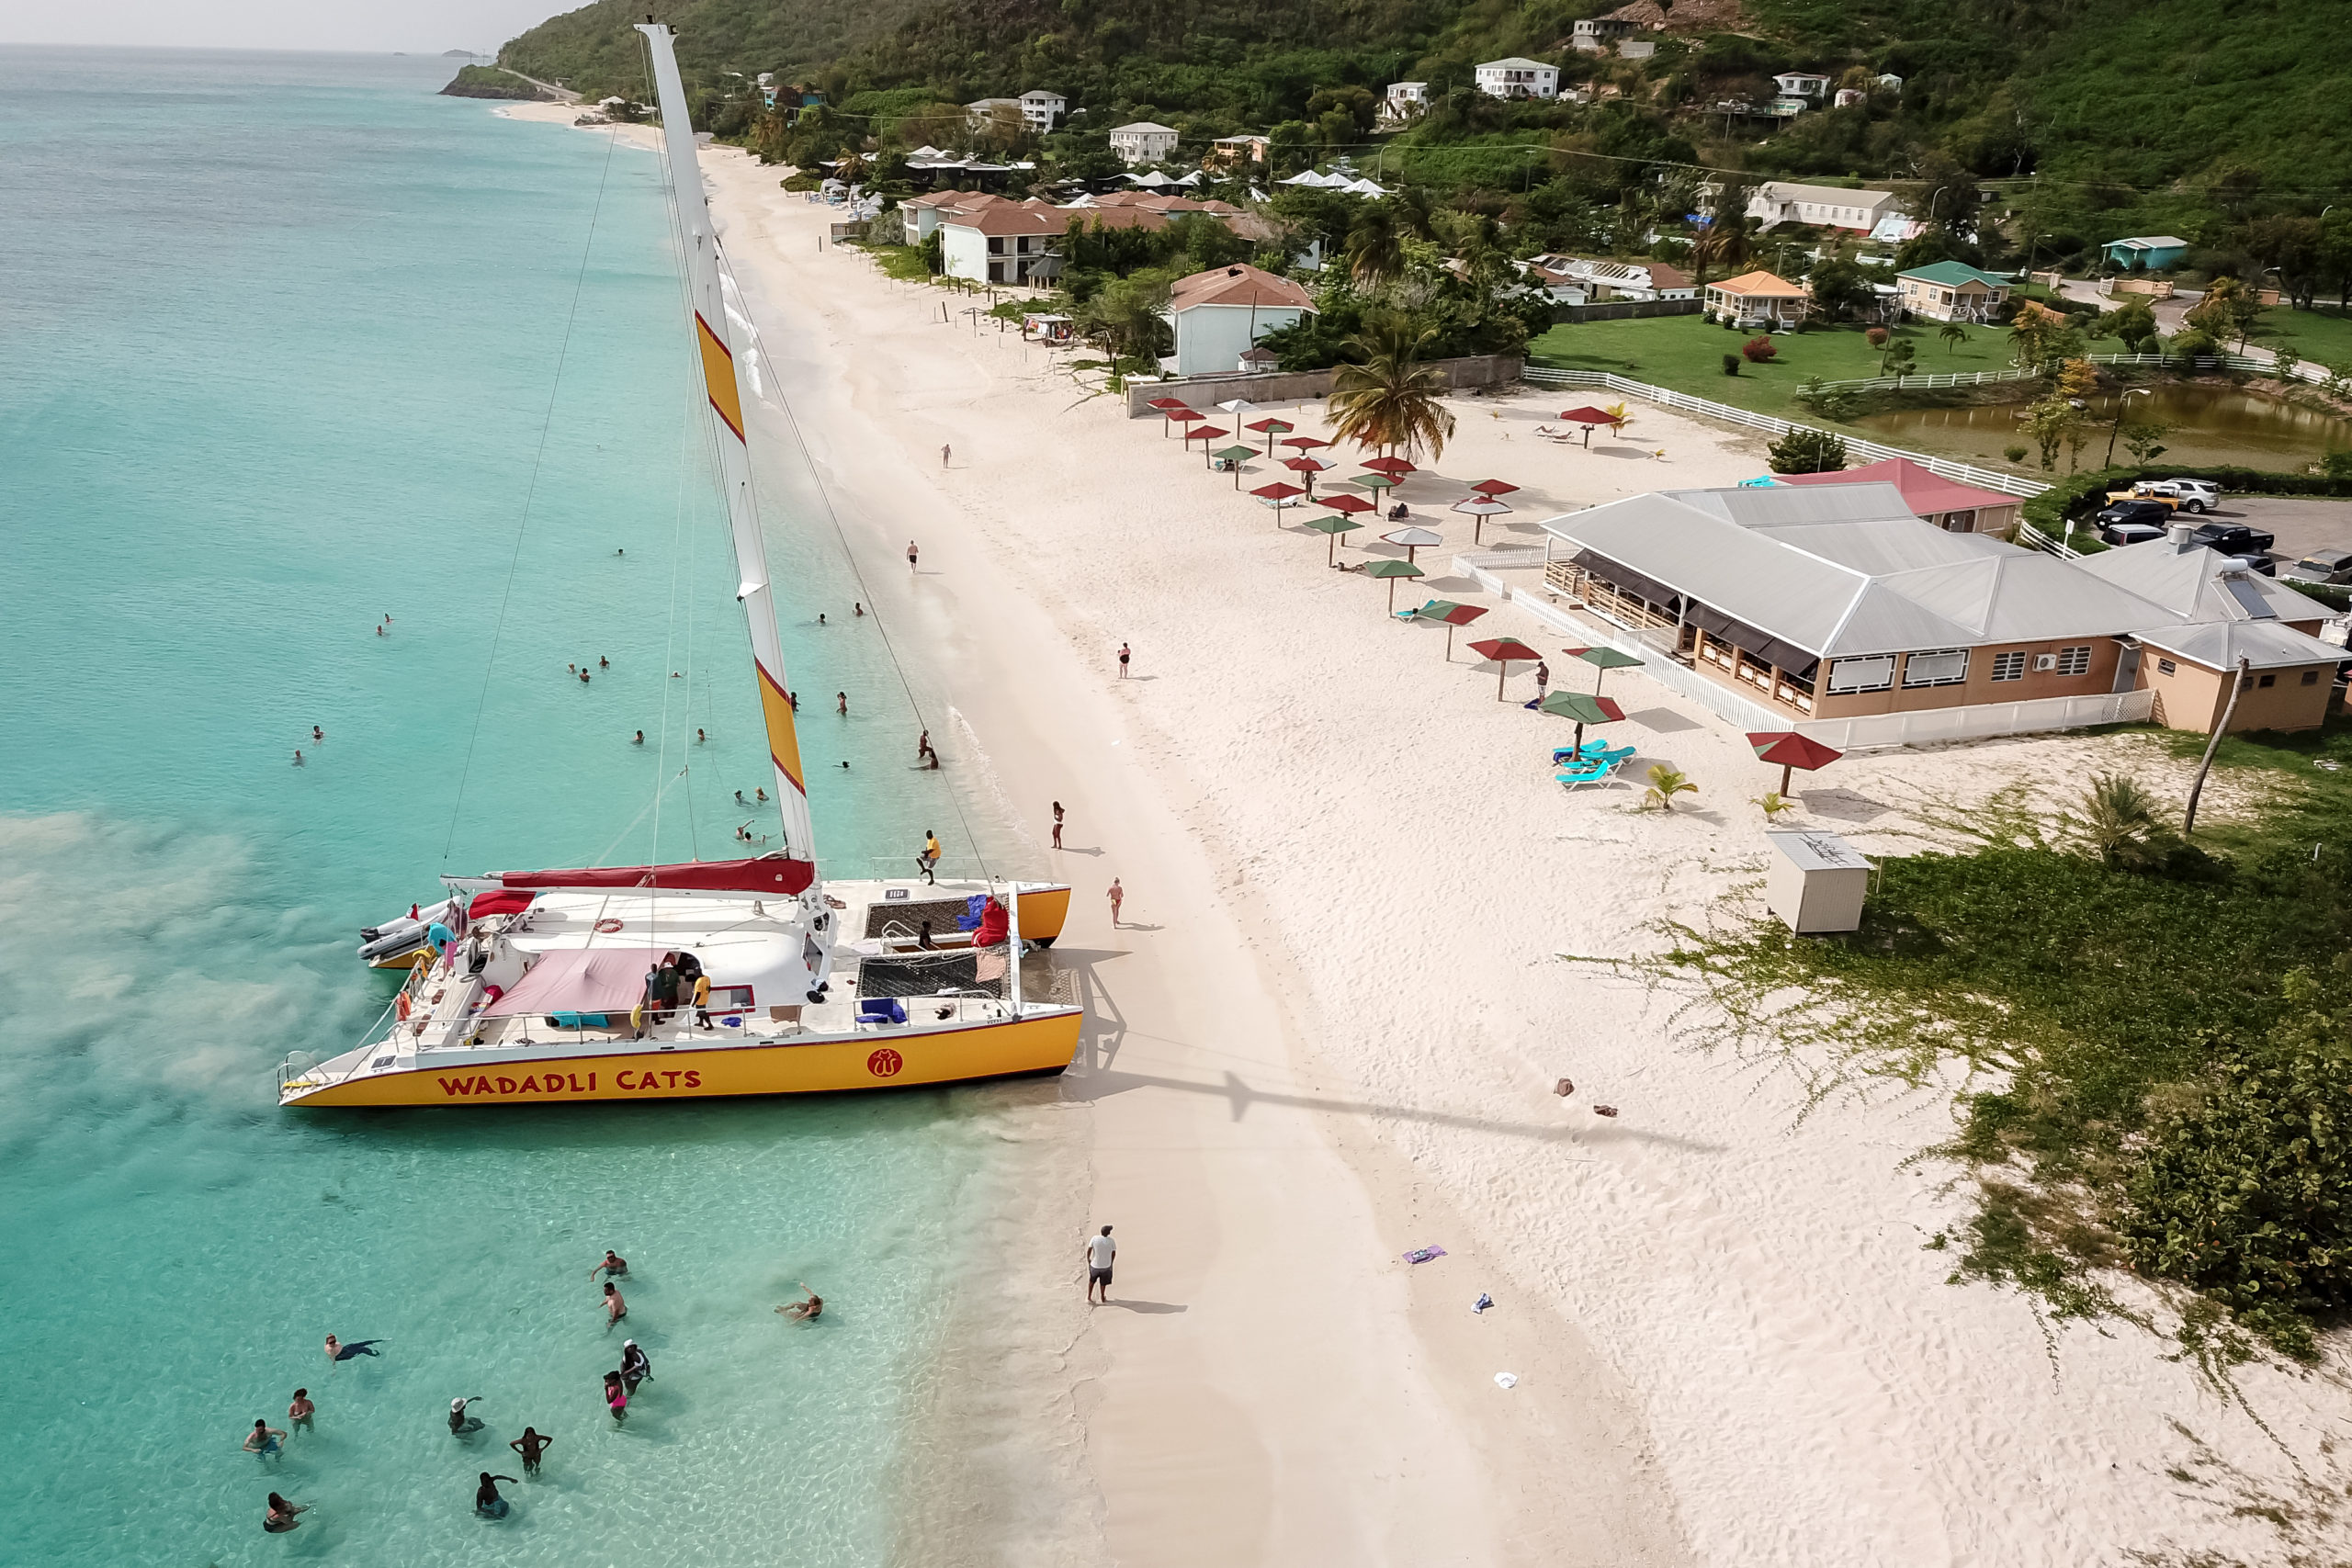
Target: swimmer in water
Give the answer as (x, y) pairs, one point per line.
(265, 1440)
(531, 1445)
(337, 1352)
(298, 756)
(614, 1267)
(603, 662)
(820, 618)
(804, 1312)
(301, 1410)
(280, 1518)
(760, 795)
(635, 1367)
(583, 677)
(860, 608)
(379, 631)
(460, 1424)
(640, 738)
(487, 1501)
(841, 703)
(615, 1396)
(317, 734)
(700, 737)
(616, 1308)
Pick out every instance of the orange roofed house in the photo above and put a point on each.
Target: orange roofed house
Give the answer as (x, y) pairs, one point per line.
(1221, 314)
(1758, 299)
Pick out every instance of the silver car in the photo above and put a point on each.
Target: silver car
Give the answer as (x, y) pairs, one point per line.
(2194, 495)
(2322, 566)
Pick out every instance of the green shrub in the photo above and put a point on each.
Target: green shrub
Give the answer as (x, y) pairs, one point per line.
(1804, 451)
(2013, 454)
(1731, 363)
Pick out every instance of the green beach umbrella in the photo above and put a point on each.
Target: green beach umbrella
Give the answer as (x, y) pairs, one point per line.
(1374, 483)
(1393, 569)
(1237, 456)
(1582, 708)
(1604, 659)
(1334, 526)
(1270, 428)
(1451, 614)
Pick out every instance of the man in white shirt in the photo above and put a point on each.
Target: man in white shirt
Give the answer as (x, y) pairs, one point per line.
(1100, 1250)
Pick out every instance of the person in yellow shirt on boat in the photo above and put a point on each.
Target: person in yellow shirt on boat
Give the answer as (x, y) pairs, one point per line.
(929, 859)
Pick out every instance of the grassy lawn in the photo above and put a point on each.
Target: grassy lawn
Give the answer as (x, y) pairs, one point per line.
(2166, 1037)
(2325, 335)
(1686, 353)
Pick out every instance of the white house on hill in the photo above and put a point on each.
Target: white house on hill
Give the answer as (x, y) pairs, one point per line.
(1220, 315)
(1042, 108)
(1519, 78)
(1143, 141)
(1405, 100)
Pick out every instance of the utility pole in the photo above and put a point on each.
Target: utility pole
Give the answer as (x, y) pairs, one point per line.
(2189, 822)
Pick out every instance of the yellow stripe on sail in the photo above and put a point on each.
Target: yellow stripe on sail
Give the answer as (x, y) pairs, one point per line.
(784, 736)
(718, 374)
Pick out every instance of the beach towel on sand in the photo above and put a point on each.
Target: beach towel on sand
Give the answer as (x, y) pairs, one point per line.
(1423, 1254)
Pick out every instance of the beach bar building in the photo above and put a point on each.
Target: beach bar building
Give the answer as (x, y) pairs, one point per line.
(1835, 602)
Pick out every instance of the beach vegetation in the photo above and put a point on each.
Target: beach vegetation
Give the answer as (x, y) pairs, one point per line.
(1665, 783)
(1803, 451)
(1773, 804)
(1386, 395)
(2151, 1037)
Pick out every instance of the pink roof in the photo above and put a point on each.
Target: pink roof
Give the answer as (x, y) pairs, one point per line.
(583, 979)
(1923, 492)
(1237, 285)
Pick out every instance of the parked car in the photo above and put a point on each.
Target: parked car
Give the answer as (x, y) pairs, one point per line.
(2261, 566)
(2130, 532)
(2117, 497)
(2331, 564)
(2155, 516)
(2232, 538)
(2194, 495)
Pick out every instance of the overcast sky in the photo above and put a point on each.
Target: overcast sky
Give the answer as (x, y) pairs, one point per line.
(418, 26)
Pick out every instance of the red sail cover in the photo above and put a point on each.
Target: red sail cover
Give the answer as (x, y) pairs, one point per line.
(765, 874)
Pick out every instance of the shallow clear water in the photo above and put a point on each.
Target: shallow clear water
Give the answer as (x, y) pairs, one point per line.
(2205, 425)
(280, 334)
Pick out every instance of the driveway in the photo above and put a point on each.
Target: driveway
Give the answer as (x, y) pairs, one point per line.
(2304, 524)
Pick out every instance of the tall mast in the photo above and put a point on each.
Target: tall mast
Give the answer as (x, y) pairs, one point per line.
(723, 380)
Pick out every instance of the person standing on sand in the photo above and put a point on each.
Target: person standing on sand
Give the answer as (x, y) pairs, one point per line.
(1118, 896)
(943, 456)
(1543, 678)
(1100, 1250)
(910, 554)
(1124, 654)
(1058, 824)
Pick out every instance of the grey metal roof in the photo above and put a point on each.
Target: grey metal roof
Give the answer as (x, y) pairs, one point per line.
(1854, 574)
(2190, 583)
(2265, 645)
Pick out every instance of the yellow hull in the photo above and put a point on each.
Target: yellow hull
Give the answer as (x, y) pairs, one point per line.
(883, 1059)
(1042, 913)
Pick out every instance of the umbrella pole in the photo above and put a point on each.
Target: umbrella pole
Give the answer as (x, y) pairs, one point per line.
(1330, 550)
(1579, 742)
(1502, 673)
(1449, 642)
(1392, 595)
(1785, 777)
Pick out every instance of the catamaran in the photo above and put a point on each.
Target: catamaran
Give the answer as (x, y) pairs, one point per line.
(707, 977)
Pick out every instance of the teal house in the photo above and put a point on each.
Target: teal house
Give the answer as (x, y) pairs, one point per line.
(2146, 253)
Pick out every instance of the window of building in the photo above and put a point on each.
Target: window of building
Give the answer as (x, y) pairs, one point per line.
(2074, 660)
(1946, 668)
(1862, 674)
(2267, 680)
(2166, 667)
(2310, 677)
(2009, 666)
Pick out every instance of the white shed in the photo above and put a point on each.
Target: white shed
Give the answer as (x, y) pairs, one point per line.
(1817, 880)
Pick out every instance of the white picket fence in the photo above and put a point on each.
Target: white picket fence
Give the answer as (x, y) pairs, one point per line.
(1869, 451)
(1980, 722)
(1928, 382)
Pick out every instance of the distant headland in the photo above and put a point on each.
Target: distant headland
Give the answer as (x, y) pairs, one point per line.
(490, 82)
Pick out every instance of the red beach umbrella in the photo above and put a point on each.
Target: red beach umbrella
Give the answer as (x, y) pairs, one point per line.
(1350, 504)
(1182, 416)
(1395, 467)
(1277, 494)
(1163, 404)
(1493, 487)
(1305, 443)
(1588, 415)
(1504, 651)
(1309, 466)
(1791, 750)
(1204, 432)
(1453, 615)
(1267, 428)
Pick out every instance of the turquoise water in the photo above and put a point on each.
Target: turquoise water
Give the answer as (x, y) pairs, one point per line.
(279, 335)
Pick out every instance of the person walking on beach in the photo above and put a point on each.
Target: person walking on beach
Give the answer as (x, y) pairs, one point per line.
(1100, 1250)
(300, 1413)
(337, 1352)
(1124, 654)
(926, 860)
(1118, 896)
(1058, 824)
(531, 1445)
(1543, 678)
(943, 456)
(280, 1517)
(910, 554)
(265, 1440)
(616, 1308)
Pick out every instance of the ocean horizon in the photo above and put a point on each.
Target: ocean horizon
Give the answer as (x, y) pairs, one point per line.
(334, 403)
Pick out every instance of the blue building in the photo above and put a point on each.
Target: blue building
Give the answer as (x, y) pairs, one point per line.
(2148, 253)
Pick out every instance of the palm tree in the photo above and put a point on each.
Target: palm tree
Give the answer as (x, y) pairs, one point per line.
(1953, 334)
(2118, 816)
(1665, 785)
(1620, 416)
(1390, 399)
(1374, 251)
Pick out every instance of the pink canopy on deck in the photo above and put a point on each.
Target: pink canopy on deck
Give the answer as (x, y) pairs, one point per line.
(588, 980)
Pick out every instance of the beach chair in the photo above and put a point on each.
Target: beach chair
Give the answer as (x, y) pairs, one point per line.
(1597, 772)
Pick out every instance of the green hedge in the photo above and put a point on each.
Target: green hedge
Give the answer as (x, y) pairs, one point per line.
(2073, 497)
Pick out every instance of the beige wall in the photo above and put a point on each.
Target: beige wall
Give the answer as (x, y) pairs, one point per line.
(2191, 696)
(1980, 686)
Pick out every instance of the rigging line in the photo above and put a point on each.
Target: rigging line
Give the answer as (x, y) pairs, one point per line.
(530, 493)
(856, 572)
(619, 838)
(669, 645)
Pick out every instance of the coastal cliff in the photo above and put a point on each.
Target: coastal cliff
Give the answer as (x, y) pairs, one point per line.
(487, 82)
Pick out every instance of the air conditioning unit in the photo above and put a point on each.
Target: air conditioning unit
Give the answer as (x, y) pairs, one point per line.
(2044, 661)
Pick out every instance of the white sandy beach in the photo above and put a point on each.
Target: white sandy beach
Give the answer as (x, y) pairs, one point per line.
(1329, 1034)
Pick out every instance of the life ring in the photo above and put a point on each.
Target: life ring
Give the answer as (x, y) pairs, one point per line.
(402, 1006)
(608, 925)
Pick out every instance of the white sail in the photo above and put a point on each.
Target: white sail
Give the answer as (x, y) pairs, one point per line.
(724, 378)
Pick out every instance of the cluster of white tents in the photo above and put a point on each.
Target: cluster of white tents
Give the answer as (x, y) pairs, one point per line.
(1357, 186)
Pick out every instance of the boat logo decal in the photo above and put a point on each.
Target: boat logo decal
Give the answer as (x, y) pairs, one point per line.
(885, 1063)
